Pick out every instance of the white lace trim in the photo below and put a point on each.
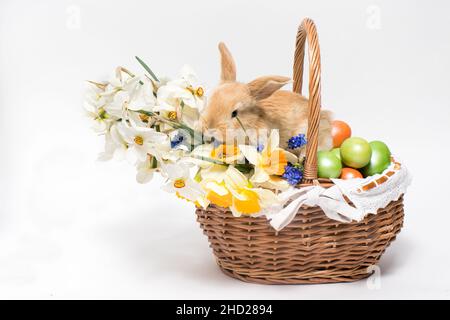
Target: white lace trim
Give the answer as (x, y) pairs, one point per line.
(367, 195)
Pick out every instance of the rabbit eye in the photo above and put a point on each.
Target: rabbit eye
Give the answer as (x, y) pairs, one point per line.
(234, 114)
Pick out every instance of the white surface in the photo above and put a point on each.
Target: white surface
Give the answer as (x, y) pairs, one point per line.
(74, 228)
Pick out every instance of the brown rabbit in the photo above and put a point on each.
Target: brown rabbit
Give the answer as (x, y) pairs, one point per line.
(258, 105)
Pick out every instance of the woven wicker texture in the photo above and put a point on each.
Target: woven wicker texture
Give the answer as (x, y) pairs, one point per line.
(312, 248)
(307, 30)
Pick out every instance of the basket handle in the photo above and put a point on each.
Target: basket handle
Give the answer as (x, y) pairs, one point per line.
(307, 30)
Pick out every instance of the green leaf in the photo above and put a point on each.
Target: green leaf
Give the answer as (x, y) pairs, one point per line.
(244, 168)
(147, 68)
(154, 164)
(173, 124)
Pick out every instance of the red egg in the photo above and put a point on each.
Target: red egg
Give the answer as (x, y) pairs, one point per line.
(340, 131)
(350, 173)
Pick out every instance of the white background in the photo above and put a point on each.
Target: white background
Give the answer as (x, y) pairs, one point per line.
(71, 227)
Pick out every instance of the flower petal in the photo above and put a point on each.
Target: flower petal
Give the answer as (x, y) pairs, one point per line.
(259, 176)
(248, 203)
(144, 176)
(235, 179)
(250, 153)
(274, 140)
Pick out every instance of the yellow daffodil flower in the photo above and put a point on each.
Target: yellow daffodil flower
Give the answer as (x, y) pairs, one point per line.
(269, 163)
(233, 190)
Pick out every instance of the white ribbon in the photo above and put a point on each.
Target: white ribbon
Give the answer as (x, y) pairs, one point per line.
(330, 200)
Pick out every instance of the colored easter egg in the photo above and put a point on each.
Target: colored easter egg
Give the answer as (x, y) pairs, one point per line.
(337, 152)
(379, 160)
(355, 152)
(328, 165)
(350, 173)
(340, 131)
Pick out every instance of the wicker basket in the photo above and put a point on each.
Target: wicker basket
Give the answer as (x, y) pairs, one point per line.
(312, 248)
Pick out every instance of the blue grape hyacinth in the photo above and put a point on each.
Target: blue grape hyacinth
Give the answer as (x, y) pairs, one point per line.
(176, 140)
(297, 141)
(259, 147)
(293, 174)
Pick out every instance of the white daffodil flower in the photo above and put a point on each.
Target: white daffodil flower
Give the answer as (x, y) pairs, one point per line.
(137, 95)
(180, 183)
(122, 80)
(215, 172)
(192, 93)
(100, 118)
(182, 98)
(188, 80)
(143, 96)
(94, 106)
(164, 152)
(159, 154)
(95, 94)
(115, 145)
(118, 104)
(138, 119)
(145, 169)
(141, 141)
(200, 152)
(172, 104)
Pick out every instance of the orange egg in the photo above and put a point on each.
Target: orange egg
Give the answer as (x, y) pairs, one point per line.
(340, 131)
(350, 173)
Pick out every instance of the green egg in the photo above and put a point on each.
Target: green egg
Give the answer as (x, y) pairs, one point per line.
(380, 159)
(328, 165)
(355, 152)
(337, 152)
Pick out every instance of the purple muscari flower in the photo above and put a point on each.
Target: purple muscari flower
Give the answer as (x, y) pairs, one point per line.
(260, 147)
(293, 174)
(297, 141)
(177, 139)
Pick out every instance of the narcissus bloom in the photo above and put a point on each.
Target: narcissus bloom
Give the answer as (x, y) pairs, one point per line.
(218, 193)
(270, 161)
(100, 118)
(137, 94)
(227, 153)
(189, 81)
(115, 145)
(232, 189)
(181, 99)
(94, 106)
(145, 169)
(141, 141)
(180, 183)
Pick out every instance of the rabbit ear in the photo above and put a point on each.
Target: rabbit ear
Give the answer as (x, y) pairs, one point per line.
(263, 87)
(227, 63)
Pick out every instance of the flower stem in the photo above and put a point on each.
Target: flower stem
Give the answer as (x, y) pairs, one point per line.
(194, 134)
(244, 168)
